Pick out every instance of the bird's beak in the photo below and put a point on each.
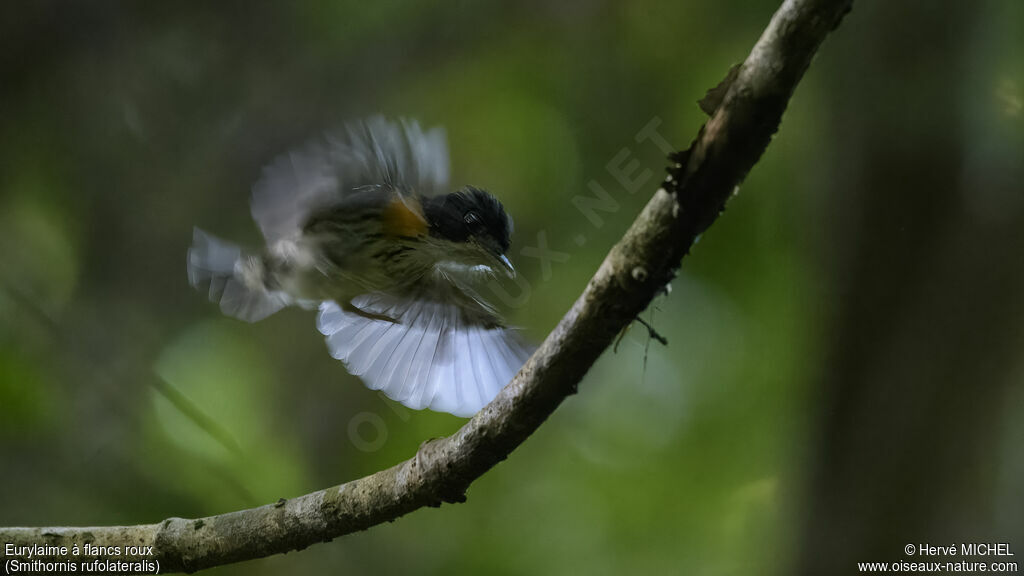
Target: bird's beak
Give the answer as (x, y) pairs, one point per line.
(509, 269)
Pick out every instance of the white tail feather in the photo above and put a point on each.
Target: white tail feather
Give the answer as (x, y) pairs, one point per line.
(434, 357)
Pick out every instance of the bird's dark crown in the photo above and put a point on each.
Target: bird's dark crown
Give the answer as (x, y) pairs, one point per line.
(467, 214)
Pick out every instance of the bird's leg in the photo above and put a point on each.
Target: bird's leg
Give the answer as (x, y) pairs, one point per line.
(348, 306)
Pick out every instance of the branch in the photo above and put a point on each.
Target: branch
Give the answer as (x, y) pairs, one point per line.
(747, 109)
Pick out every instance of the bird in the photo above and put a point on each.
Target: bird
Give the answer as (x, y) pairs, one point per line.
(361, 224)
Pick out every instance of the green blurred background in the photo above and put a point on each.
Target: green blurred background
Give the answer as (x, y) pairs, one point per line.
(845, 344)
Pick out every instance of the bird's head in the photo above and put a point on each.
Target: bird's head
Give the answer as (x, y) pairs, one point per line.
(473, 225)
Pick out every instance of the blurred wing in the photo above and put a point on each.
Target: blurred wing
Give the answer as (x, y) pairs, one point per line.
(212, 265)
(373, 153)
(442, 354)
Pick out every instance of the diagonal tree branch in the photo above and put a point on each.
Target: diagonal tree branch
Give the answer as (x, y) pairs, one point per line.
(746, 111)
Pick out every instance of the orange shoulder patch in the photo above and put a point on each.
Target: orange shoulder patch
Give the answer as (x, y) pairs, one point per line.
(404, 217)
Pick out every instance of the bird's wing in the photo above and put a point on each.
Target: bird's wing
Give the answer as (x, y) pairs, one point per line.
(447, 351)
(368, 154)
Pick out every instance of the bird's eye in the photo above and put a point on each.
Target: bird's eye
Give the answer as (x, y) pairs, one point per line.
(472, 218)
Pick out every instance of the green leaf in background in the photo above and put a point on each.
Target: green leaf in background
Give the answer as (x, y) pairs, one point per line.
(44, 263)
(215, 368)
(28, 403)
